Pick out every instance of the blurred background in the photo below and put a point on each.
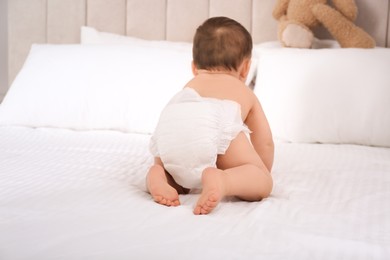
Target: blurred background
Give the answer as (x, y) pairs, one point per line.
(3, 48)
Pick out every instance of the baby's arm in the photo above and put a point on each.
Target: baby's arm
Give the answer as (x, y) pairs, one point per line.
(261, 136)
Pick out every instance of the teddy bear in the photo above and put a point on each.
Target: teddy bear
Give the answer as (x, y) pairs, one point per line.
(297, 19)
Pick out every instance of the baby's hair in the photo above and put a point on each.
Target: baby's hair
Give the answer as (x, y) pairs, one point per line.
(221, 43)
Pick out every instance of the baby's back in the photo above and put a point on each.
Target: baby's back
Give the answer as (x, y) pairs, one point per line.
(223, 86)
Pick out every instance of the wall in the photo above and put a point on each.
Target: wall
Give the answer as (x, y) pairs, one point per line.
(3, 48)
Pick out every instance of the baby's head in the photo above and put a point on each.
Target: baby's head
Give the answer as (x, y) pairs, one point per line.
(221, 43)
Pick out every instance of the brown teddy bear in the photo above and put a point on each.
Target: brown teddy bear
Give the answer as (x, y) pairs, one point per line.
(297, 18)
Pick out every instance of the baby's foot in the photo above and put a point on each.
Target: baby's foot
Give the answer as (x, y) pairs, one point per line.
(161, 191)
(212, 193)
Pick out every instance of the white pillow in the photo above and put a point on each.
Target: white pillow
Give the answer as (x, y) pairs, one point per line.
(317, 44)
(90, 35)
(326, 95)
(118, 87)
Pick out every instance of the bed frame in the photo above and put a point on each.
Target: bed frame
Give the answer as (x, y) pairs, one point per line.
(59, 21)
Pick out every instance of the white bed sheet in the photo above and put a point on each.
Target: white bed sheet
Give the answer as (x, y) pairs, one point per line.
(81, 195)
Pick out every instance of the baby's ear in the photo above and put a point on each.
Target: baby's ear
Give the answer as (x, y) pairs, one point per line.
(244, 68)
(194, 69)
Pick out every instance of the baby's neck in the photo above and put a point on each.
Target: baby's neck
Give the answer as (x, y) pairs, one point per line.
(219, 72)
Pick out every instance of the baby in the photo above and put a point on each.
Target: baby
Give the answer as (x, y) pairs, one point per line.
(201, 140)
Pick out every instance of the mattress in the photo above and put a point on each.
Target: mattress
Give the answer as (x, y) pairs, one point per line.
(81, 195)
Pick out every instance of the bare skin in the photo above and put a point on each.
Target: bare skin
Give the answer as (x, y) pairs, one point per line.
(240, 173)
(244, 170)
(159, 188)
(162, 186)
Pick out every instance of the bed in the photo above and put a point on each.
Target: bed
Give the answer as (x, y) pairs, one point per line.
(76, 122)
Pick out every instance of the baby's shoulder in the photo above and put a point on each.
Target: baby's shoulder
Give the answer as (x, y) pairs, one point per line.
(245, 92)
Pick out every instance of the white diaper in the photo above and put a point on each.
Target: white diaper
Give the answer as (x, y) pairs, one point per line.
(192, 131)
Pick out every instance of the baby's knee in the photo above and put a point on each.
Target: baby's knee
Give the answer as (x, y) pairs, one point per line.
(265, 182)
(267, 191)
(268, 185)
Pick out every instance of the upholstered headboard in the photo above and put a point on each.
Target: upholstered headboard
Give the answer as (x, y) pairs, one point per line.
(59, 21)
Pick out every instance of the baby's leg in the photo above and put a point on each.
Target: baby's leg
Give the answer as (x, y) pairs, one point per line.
(241, 173)
(213, 191)
(160, 185)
